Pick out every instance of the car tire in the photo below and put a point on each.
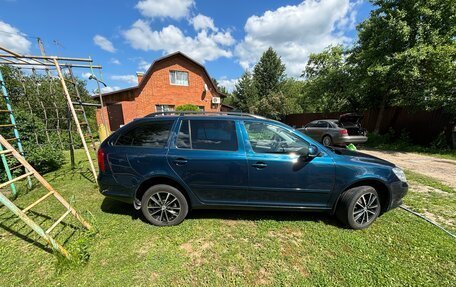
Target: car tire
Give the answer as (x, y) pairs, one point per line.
(358, 207)
(164, 205)
(327, 140)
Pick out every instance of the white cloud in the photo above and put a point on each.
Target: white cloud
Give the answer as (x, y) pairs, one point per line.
(205, 46)
(202, 22)
(104, 43)
(174, 9)
(227, 83)
(296, 31)
(86, 75)
(131, 79)
(109, 89)
(11, 38)
(143, 65)
(114, 61)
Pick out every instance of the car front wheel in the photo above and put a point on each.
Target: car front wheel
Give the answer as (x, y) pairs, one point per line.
(164, 205)
(358, 207)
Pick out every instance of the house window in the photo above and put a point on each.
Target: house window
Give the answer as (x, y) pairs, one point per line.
(178, 78)
(164, 108)
(201, 108)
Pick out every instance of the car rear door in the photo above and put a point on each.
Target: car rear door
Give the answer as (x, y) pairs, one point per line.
(277, 176)
(311, 130)
(209, 157)
(139, 150)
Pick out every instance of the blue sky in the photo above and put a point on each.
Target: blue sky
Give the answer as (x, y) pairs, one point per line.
(226, 36)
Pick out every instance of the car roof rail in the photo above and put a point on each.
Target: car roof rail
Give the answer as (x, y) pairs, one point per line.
(184, 113)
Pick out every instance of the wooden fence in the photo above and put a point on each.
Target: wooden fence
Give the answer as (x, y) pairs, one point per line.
(422, 126)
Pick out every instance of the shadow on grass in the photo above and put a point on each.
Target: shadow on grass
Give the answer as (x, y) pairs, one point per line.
(73, 174)
(63, 233)
(116, 207)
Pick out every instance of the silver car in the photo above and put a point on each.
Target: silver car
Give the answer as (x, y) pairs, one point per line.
(347, 129)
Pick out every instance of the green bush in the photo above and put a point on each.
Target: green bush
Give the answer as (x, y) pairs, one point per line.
(188, 107)
(44, 157)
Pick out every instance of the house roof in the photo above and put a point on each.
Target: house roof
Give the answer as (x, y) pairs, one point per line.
(151, 68)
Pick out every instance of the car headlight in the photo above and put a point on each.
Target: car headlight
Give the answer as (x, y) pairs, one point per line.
(400, 174)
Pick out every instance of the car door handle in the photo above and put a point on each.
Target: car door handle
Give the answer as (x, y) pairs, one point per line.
(260, 165)
(180, 161)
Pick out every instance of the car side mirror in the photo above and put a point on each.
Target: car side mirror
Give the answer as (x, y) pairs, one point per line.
(310, 152)
(313, 151)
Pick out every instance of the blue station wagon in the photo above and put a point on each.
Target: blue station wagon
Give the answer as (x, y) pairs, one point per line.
(166, 164)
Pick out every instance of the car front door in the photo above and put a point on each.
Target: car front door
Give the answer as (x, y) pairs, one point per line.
(209, 157)
(278, 176)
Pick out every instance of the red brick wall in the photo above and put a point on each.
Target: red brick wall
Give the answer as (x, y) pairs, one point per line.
(158, 90)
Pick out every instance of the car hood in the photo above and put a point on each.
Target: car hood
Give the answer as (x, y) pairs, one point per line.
(362, 156)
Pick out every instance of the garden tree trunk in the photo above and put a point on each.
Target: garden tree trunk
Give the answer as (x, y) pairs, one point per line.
(380, 115)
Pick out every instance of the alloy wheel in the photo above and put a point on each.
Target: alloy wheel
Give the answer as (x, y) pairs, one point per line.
(366, 208)
(163, 206)
(326, 141)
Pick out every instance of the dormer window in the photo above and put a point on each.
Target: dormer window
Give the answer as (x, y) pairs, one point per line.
(178, 78)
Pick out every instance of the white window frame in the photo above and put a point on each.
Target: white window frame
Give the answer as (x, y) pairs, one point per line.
(164, 108)
(179, 78)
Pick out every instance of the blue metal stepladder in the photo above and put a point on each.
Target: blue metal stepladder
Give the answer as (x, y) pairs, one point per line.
(11, 125)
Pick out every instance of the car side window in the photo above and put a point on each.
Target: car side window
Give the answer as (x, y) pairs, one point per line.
(152, 134)
(311, 125)
(322, 124)
(268, 138)
(207, 135)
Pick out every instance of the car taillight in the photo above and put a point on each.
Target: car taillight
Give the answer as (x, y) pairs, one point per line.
(343, 132)
(101, 160)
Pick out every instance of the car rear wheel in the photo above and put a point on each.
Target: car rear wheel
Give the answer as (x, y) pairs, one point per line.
(358, 207)
(327, 140)
(164, 205)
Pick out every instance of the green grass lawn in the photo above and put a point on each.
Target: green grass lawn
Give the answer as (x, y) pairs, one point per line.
(226, 248)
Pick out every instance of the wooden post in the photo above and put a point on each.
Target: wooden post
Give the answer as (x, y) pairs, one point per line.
(75, 117)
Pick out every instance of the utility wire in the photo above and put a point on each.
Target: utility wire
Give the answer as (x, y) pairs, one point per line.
(427, 219)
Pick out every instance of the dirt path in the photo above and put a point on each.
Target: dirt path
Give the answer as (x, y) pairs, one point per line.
(438, 168)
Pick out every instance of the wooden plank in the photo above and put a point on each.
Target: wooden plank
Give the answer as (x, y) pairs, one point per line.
(38, 201)
(75, 118)
(43, 182)
(11, 206)
(58, 221)
(5, 151)
(16, 179)
(7, 125)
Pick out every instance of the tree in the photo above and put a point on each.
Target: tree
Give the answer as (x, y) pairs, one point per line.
(188, 107)
(245, 93)
(328, 85)
(274, 106)
(268, 73)
(406, 55)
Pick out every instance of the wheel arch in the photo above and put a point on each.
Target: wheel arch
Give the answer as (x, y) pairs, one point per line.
(162, 179)
(382, 189)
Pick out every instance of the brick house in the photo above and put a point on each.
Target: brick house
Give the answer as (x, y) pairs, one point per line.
(171, 81)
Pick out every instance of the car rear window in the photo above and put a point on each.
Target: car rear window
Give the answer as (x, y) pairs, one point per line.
(207, 135)
(152, 134)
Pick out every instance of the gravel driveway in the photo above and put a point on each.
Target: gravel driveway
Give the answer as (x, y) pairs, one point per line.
(438, 168)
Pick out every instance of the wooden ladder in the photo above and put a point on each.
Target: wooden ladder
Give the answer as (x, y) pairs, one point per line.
(22, 214)
(15, 136)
